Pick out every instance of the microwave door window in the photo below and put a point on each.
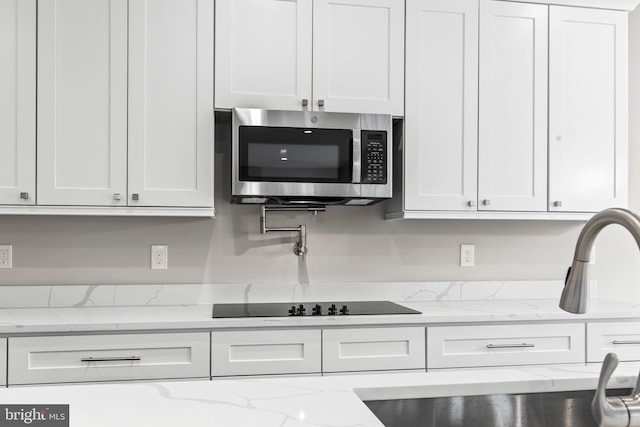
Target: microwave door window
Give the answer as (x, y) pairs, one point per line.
(291, 155)
(293, 162)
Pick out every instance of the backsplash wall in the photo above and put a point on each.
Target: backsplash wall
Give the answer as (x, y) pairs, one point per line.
(350, 244)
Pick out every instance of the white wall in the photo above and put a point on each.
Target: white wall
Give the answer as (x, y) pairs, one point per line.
(345, 244)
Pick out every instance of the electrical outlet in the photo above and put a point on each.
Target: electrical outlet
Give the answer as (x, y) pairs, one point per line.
(159, 257)
(6, 256)
(467, 255)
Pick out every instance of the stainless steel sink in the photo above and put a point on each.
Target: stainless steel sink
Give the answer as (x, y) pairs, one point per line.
(557, 409)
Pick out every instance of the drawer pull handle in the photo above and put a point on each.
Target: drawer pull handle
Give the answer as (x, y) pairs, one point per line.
(626, 342)
(523, 345)
(111, 359)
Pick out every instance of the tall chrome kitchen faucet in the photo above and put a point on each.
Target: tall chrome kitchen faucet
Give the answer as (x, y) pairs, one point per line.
(575, 294)
(607, 411)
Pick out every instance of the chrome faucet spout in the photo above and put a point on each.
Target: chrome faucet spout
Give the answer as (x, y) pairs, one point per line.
(575, 294)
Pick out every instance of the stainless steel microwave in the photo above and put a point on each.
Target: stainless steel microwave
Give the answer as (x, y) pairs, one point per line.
(304, 157)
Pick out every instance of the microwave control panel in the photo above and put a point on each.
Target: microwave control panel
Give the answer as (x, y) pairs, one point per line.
(374, 157)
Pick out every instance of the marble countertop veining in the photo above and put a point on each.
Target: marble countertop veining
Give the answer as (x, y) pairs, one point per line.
(311, 401)
(303, 401)
(126, 318)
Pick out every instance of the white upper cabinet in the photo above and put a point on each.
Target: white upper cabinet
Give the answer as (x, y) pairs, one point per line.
(171, 103)
(358, 56)
(440, 150)
(322, 55)
(263, 53)
(82, 102)
(125, 103)
(475, 140)
(512, 136)
(588, 112)
(513, 110)
(17, 102)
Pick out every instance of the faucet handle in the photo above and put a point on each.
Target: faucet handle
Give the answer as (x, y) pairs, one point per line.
(632, 403)
(612, 411)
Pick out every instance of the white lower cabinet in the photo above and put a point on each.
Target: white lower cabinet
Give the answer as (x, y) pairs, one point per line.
(505, 345)
(294, 351)
(621, 338)
(373, 349)
(81, 358)
(3, 361)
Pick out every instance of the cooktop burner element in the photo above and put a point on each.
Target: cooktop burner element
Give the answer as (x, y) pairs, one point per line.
(277, 309)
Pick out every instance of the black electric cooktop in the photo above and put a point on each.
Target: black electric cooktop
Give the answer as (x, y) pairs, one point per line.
(326, 308)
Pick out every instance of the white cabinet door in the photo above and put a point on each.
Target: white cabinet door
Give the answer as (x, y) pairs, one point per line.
(358, 56)
(3, 357)
(82, 102)
(171, 103)
(17, 102)
(81, 358)
(504, 345)
(258, 352)
(621, 338)
(263, 53)
(373, 349)
(512, 138)
(587, 109)
(440, 148)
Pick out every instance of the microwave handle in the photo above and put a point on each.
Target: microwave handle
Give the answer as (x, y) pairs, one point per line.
(357, 156)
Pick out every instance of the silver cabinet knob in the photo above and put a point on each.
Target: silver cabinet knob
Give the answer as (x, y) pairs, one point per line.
(320, 102)
(116, 196)
(24, 195)
(135, 196)
(471, 203)
(305, 102)
(557, 203)
(486, 202)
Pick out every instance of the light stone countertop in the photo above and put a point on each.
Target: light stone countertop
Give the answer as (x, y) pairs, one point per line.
(312, 401)
(316, 401)
(88, 308)
(130, 318)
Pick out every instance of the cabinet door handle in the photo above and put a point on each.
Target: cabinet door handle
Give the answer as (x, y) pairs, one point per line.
(135, 196)
(471, 203)
(522, 345)
(305, 102)
(116, 196)
(486, 202)
(625, 342)
(320, 102)
(24, 195)
(111, 359)
(557, 204)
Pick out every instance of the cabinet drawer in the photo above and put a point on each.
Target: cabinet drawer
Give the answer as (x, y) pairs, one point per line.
(621, 338)
(503, 345)
(371, 349)
(3, 361)
(56, 359)
(265, 352)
